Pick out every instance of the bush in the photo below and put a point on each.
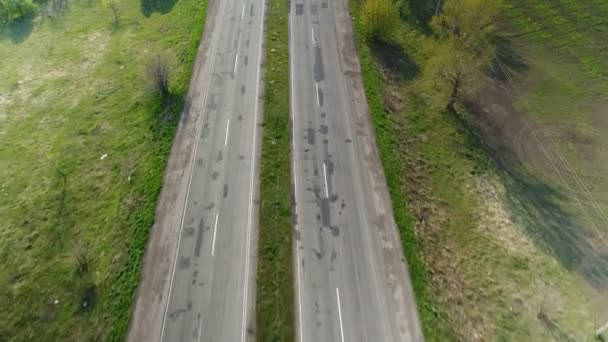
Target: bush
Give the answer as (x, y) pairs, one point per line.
(12, 10)
(158, 72)
(379, 19)
(450, 73)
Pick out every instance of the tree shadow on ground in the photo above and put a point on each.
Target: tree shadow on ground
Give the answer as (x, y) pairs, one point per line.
(418, 13)
(394, 61)
(148, 7)
(507, 60)
(538, 205)
(18, 31)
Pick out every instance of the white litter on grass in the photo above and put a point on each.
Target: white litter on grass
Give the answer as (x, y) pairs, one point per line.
(56, 301)
(104, 156)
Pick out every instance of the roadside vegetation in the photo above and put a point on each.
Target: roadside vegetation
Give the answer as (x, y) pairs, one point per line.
(489, 123)
(88, 111)
(14, 10)
(275, 296)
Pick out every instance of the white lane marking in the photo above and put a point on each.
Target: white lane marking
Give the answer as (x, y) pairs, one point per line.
(227, 133)
(317, 92)
(243, 12)
(236, 60)
(325, 177)
(198, 135)
(251, 183)
(340, 314)
(214, 233)
(200, 328)
(312, 34)
(295, 179)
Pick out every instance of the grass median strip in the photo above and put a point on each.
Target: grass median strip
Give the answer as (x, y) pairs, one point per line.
(275, 293)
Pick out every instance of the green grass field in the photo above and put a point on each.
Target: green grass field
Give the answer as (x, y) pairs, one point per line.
(566, 89)
(275, 296)
(488, 237)
(83, 146)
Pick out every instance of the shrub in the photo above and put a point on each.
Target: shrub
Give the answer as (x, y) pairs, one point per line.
(379, 19)
(12, 10)
(158, 72)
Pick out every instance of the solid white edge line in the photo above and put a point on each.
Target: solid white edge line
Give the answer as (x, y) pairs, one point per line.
(295, 179)
(236, 60)
(194, 151)
(340, 314)
(227, 133)
(251, 183)
(214, 233)
(317, 93)
(325, 177)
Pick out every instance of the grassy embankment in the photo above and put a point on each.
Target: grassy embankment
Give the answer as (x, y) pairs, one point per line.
(275, 297)
(479, 268)
(83, 146)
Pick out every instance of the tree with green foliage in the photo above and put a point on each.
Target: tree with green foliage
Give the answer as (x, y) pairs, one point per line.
(463, 29)
(379, 19)
(469, 21)
(450, 73)
(12, 10)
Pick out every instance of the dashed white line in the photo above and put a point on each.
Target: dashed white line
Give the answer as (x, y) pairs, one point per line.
(236, 60)
(214, 233)
(194, 150)
(243, 12)
(317, 92)
(340, 314)
(227, 133)
(200, 328)
(312, 35)
(326, 184)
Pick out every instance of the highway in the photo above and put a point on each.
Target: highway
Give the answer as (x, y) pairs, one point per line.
(210, 286)
(352, 282)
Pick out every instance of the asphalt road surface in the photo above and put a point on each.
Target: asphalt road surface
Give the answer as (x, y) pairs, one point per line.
(212, 282)
(352, 282)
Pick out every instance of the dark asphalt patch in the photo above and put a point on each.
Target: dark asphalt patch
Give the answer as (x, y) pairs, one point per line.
(325, 212)
(199, 239)
(318, 69)
(323, 129)
(320, 94)
(310, 135)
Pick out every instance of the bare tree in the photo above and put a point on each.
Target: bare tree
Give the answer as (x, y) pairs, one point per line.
(81, 259)
(158, 72)
(116, 12)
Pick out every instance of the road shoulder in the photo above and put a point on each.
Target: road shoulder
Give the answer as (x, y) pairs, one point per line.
(398, 279)
(152, 293)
